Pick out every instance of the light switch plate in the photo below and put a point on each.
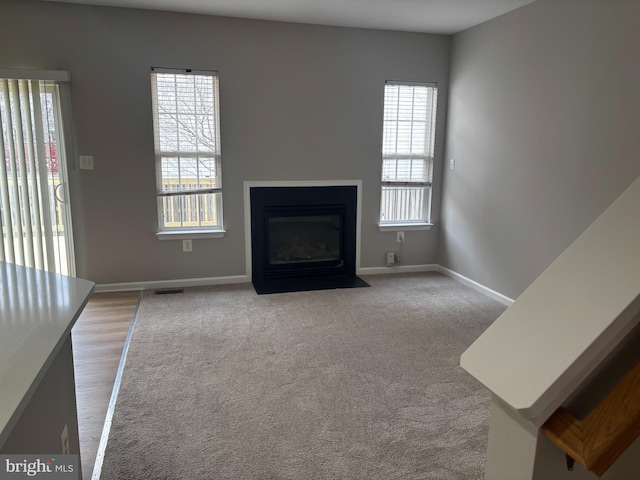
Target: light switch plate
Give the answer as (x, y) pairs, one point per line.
(86, 162)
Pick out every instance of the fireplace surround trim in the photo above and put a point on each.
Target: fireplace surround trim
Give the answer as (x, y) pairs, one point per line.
(297, 183)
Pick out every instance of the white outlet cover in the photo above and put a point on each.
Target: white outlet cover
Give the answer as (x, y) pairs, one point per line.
(64, 440)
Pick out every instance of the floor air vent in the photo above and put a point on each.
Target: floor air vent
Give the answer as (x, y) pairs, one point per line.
(169, 292)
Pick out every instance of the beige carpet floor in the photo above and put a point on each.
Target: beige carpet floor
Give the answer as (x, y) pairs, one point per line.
(364, 383)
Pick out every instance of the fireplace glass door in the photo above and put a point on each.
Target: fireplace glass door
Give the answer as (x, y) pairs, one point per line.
(304, 239)
(302, 242)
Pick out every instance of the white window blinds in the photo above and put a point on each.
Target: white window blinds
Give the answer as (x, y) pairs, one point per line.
(187, 147)
(407, 151)
(33, 223)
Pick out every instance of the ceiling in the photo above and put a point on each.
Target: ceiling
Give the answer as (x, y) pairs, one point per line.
(428, 16)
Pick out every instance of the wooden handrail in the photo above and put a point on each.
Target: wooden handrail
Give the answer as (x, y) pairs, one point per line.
(597, 441)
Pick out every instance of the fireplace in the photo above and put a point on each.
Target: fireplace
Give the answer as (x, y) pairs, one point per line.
(303, 238)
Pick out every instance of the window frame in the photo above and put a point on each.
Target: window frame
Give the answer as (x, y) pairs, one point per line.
(165, 232)
(424, 223)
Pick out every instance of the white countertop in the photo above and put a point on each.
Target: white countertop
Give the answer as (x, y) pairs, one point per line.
(37, 311)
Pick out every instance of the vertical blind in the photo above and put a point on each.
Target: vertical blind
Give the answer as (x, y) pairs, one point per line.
(28, 168)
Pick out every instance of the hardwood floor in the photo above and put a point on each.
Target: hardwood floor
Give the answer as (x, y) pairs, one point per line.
(98, 339)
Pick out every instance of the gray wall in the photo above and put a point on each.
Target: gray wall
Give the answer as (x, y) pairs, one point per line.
(544, 116)
(298, 102)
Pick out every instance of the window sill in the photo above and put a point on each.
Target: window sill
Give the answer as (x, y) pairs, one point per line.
(190, 234)
(401, 227)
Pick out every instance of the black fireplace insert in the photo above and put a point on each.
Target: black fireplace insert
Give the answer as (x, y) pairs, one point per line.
(303, 238)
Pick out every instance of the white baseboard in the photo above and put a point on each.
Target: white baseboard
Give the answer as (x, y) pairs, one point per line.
(196, 282)
(398, 269)
(476, 286)
(180, 283)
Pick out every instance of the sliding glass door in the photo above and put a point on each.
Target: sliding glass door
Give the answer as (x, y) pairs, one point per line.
(36, 221)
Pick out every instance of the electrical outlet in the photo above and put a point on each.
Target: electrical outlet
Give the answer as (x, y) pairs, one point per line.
(391, 259)
(64, 440)
(187, 245)
(400, 237)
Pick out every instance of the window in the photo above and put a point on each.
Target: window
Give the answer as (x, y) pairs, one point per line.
(186, 120)
(407, 152)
